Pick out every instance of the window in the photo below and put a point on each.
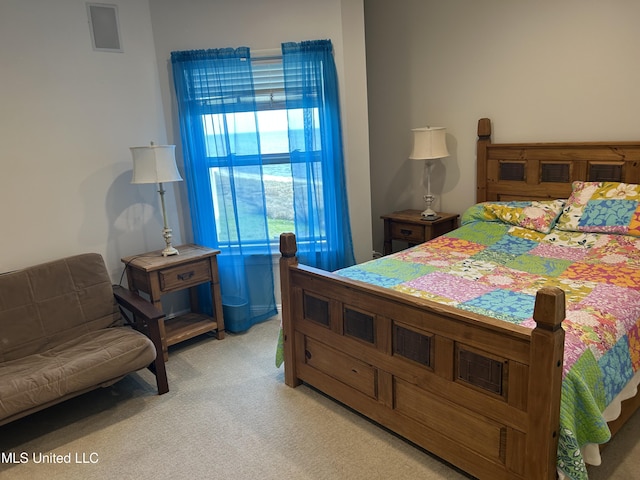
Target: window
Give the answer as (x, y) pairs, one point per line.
(262, 146)
(232, 135)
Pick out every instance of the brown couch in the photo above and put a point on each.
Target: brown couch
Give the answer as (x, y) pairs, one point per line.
(62, 333)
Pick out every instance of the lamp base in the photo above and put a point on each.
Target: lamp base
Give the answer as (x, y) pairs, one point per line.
(167, 252)
(169, 249)
(429, 214)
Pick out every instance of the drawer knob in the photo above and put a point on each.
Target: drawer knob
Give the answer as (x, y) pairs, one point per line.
(404, 231)
(186, 275)
(307, 354)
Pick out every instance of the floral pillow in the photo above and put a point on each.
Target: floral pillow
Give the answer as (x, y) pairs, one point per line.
(537, 215)
(540, 216)
(602, 207)
(477, 212)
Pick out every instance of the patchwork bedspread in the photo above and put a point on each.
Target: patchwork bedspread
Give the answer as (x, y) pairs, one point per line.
(495, 268)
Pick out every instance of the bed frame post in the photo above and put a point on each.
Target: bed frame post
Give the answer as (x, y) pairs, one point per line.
(484, 140)
(288, 249)
(545, 384)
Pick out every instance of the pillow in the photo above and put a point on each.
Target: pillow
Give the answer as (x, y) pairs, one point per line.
(475, 213)
(540, 216)
(602, 207)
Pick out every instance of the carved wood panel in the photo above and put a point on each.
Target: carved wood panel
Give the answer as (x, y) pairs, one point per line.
(480, 370)
(316, 309)
(413, 345)
(359, 325)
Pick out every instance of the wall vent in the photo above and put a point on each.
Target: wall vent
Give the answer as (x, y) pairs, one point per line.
(104, 27)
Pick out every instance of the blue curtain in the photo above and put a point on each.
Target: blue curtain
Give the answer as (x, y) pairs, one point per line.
(322, 223)
(220, 144)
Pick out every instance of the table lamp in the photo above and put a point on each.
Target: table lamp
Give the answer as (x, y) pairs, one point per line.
(429, 144)
(157, 164)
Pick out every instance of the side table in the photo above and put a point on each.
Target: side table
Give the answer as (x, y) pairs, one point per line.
(156, 275)
(410, 227)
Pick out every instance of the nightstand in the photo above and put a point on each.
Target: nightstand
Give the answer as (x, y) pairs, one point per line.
(408, 226)
(156, 275)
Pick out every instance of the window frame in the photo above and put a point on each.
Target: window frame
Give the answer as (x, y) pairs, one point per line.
(275, 91)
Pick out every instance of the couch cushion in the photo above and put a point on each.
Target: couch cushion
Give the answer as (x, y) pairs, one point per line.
(89, 360)
(48, 304)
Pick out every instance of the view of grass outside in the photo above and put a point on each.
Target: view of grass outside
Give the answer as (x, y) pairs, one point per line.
(239, 128)
(277, 226)
(278, 189)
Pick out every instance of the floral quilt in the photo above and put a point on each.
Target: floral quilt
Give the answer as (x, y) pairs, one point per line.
(496, 262)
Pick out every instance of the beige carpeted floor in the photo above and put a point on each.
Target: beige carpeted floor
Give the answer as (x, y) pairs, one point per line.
(229, 415)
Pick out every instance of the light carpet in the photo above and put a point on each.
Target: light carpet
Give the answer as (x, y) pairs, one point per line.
(229, 415)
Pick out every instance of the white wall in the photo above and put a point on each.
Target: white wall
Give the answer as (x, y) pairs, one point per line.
(265, 25)
(543, 70)
(69, 115)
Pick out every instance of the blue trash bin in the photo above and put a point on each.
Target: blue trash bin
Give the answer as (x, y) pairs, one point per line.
(236, 314)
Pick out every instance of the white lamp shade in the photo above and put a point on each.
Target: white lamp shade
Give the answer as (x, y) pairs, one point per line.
(154, 164)
(429, 143)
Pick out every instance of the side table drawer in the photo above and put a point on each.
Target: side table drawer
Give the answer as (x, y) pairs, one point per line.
(408, 232)
(183, 276)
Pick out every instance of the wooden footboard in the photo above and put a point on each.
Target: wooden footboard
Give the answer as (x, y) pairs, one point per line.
(482, 394)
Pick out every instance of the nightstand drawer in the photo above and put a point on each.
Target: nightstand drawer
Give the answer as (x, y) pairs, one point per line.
(410, 227)
(184, 276)
(408, 232)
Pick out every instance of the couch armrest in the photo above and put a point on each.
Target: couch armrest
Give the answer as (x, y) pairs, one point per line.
(148, 317)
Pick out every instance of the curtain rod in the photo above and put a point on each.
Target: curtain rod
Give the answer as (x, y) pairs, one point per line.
(267, 53)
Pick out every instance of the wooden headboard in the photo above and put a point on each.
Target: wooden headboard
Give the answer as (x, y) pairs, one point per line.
(542, 171)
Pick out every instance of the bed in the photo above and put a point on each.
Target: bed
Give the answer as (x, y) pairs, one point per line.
(488, 346)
